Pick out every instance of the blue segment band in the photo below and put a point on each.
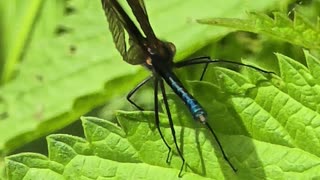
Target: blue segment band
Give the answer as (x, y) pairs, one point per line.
(192, 104)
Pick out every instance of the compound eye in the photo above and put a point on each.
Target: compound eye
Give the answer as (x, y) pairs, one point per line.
(171, 47)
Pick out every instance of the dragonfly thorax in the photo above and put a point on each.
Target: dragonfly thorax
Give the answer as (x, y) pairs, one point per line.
(162, 52)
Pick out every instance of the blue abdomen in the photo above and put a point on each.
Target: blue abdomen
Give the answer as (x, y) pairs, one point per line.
(193, 105)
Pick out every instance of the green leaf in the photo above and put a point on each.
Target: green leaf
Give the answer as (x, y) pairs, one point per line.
(266, 130)
(33, 166)
(71, 65)
(312, 63)
(299, 31)
(301, 84)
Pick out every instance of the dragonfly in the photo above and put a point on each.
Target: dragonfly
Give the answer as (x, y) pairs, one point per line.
(157, 56)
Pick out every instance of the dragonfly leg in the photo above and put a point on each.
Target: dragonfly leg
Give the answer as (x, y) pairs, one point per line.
(163, 91)
(204, 71)
(192, 61)
(207, 60)
(220, 147)
(189, 62)
(157, 121)
(135, 90)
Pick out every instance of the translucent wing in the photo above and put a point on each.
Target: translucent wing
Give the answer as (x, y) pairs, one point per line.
(141, 2)
(120, 24)
(139, 10)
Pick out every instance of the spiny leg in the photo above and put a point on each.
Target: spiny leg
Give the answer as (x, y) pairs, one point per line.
(173, 132)
(220, 146)
(157, 121)
(187, 61)
(192, 61)
(204, 71)
(135, 89)
(206, 60)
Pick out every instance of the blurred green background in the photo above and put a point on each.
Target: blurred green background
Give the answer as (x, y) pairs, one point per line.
(58, 61)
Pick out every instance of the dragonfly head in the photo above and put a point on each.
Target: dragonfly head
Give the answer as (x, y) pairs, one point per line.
(161, 52)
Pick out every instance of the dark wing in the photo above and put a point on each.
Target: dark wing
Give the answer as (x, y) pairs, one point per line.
(119, 22)
(139, 10)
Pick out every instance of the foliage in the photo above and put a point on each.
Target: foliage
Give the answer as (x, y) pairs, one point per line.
(264, 137)
(299, 31)
(267, 124)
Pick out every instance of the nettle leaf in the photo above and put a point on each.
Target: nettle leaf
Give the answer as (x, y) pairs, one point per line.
(33, 166)
(268, 127)
(298, 31)
(49, 91)
(72, 66)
